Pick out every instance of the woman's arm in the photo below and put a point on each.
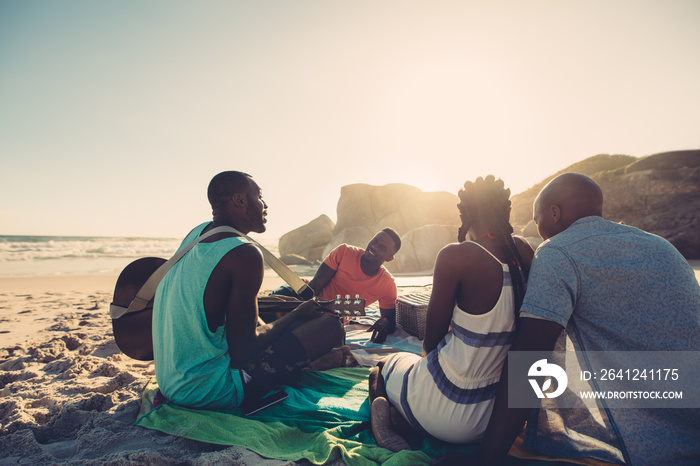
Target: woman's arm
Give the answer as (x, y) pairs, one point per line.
(446, 277)
(525, 250)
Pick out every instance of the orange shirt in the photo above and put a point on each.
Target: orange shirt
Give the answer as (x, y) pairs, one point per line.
(350, 280)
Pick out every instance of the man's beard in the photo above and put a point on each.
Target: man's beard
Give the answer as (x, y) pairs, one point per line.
(256, 216)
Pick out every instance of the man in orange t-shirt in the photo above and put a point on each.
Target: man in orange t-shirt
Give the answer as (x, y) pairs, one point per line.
(349, 270)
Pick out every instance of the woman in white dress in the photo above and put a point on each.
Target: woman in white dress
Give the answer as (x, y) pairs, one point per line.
(478, 286)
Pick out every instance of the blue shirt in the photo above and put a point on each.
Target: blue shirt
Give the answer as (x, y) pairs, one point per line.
(617, 288)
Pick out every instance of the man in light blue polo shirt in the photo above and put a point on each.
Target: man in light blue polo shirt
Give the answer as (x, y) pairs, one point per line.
(613, 288)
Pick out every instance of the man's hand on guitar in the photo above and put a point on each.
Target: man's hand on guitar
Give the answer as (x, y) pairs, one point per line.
(308, 310)
(381, 329)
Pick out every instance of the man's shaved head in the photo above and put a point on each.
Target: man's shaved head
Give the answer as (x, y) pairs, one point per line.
(564, 200)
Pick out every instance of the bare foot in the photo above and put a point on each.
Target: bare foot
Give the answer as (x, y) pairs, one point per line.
(348, 359)
(336, 357)
(384, 434)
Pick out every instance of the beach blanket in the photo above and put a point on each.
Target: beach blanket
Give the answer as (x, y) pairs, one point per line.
(326, 417)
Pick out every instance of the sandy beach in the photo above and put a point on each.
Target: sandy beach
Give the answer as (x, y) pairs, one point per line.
(67, 394)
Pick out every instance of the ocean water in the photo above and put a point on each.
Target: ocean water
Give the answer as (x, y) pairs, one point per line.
(46, 256)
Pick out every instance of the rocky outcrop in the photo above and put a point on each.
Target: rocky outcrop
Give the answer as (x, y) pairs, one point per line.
(425, 221)
(363, 210)
(530, 230)
(659, 193)
(420, 248)
(399, 206)
(531, 234)
(308, 241)
(521, 204)
(357, 236)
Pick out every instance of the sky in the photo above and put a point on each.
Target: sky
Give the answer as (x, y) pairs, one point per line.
(114, 115)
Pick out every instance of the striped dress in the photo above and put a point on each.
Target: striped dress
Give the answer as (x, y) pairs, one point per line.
(449, 394)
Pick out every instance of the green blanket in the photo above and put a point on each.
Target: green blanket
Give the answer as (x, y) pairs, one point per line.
(326, 417)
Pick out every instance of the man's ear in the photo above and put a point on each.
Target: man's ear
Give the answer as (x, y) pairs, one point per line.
(239, 199)
(555, 212)
(389, 259)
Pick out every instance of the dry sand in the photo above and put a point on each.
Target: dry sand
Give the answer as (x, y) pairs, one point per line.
(67, 394)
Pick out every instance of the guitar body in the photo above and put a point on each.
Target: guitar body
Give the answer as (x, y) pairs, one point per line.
(132, 332)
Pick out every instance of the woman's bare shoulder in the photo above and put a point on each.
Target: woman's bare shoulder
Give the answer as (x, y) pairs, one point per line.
(465, 248)
(464, 254)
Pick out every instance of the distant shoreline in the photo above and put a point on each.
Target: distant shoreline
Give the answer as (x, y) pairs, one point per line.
(24, 256)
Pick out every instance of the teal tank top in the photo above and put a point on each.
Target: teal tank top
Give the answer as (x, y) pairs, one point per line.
(192, 363)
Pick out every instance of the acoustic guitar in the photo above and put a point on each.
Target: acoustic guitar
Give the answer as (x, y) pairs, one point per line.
(133, 331)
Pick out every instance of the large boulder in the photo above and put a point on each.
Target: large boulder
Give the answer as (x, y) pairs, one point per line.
(357, 236)
(420, 246)
(398, 206)
(531, 234)
(530, 230)
(309, 240)
(364, 210)
(425, 221)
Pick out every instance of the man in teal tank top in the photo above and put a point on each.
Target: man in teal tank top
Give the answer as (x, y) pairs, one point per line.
(209, 351)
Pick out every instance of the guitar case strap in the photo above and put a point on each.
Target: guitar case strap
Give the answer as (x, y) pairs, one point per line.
(148, 290)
